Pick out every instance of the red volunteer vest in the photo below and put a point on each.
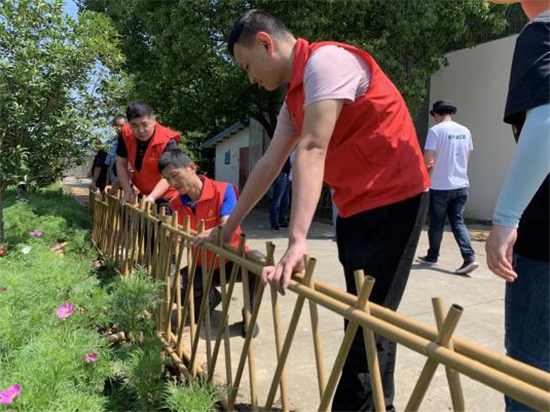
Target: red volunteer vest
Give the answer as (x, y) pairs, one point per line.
(373, 158)
(147, 178)
(207, 209)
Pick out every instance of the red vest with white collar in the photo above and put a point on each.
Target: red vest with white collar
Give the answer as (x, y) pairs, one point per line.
(208, 209)
(373, 157)
(147, 178)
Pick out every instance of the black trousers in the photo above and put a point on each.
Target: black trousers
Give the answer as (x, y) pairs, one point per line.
(382, 242)
(198, 287)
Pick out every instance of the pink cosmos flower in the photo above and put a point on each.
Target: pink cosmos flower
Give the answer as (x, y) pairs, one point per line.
(91, 357)
(36, 233)
(65, 310)
(10, 394)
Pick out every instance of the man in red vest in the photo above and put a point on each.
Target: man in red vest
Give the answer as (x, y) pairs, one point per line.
(141, 143)
(352, 129)
(201, 198)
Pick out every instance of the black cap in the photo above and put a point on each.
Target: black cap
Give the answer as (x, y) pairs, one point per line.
(443, 105)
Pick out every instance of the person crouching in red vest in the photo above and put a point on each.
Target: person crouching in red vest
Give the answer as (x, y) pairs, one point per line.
(351, 128)
(141, 142)
(201, 198)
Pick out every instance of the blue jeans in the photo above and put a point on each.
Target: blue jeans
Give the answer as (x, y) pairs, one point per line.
(278, 210)
(527, 318)
(449, 203)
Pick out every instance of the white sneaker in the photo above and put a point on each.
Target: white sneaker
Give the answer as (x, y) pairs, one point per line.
(467, 267)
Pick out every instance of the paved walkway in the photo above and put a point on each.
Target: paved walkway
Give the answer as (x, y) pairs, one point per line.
(78, 188)
(481, 295)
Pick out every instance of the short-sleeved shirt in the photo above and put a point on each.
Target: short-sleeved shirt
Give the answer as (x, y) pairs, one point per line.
(452, 144)
(228, 204)
(122, 151)
(331, 73)
(530, 88)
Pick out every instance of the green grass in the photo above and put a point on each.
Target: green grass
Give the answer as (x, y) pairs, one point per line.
(193, 396)
(44, 354)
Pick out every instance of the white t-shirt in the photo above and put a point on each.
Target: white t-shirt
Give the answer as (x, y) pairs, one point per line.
(452, 144)
(331, 72)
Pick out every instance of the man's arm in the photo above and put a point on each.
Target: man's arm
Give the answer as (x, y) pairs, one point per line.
(429, 158)
(161, 187)
(528, 170)
(258, 183)
(124, 179)
(95, 175)
(307, 182)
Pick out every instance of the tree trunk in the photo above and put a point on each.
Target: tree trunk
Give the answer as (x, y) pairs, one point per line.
(1, 214)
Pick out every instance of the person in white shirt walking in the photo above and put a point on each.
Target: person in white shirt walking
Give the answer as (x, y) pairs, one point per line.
(447, 152)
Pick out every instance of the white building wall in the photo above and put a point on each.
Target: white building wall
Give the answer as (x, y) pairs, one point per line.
(476, 81)
(230, 172)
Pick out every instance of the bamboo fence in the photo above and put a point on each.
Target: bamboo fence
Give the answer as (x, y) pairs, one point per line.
(135, 234)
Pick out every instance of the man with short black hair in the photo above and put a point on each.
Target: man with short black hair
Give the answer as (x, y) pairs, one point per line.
(117, 123)
(141, 143)
(201, 198)
(446, 154)
(351, 128)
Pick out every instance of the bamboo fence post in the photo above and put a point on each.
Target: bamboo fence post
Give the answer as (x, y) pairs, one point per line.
(249, 334)
(445, 334)
(457, 396)
(195, 328)
(226, 302)
(204, 314)
(172, 286)
(318, 347)
(277, 328)
(150, 235)
(188, 292)
(351, 330)
(224, 324)
(310, 266)
(139, 236)
(189, 301)
(370, 350)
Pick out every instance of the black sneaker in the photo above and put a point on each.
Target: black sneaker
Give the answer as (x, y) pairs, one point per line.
(467, 267)
(255, 332)
(283, 225)
(275, 227)
(426, 260)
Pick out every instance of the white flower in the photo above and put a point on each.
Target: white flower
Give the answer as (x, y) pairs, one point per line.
(25, 250)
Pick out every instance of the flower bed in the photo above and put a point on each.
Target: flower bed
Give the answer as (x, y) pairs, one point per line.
(56, 306)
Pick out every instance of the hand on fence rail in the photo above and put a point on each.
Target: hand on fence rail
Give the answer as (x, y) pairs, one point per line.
(292, 261)
(210, 236)
(128, 197)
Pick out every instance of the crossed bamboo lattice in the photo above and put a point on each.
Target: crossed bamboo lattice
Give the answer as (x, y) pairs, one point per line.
(132, 235)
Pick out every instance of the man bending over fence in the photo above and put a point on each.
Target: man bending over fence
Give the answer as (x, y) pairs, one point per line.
(351, 128)
(201, 198)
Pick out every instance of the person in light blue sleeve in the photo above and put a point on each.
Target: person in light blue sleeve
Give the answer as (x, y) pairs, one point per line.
(518, 248)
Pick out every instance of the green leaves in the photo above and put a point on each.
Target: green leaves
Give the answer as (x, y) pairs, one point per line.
(176, 49)
(48, 109)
